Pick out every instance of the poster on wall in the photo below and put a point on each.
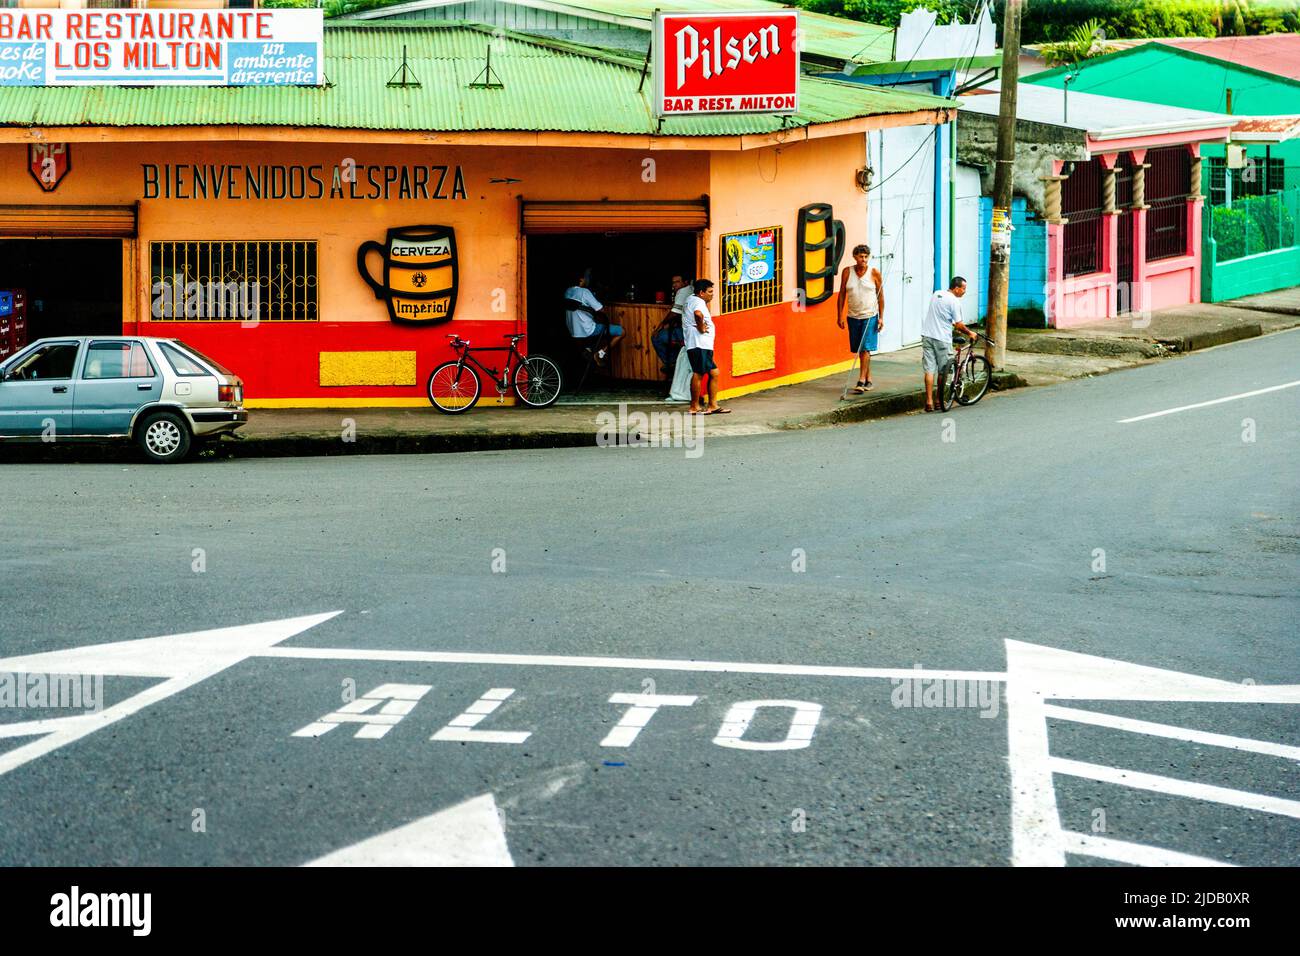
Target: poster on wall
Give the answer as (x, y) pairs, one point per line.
(751, 257)
(126, 47)
(726, 63)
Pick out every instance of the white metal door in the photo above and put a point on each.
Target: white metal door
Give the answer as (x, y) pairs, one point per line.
(916, 268)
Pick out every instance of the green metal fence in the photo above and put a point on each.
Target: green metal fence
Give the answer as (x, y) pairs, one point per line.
(1255, 224)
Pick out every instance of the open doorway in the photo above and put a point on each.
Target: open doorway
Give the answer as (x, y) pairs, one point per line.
(631, 274)
(73, 286)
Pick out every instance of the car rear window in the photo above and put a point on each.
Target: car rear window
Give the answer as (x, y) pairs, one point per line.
(182, 361)
(211, 362)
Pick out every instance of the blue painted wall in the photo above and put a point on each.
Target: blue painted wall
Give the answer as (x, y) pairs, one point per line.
(1028, 286)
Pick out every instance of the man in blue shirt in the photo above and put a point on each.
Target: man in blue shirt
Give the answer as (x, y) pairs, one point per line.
(668, 339)
(583, 318)
(943, 315)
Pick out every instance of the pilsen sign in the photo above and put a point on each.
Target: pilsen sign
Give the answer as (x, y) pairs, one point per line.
(726, 63)
(122, 47)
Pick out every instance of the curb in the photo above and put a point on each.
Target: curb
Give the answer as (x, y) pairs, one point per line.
(294, 446)
(1205, 340)
(883, 406)
(1093, 346)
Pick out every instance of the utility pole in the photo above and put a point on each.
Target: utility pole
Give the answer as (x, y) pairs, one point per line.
(1000, 251)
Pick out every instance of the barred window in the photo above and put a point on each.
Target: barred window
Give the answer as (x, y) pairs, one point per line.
(1168, 184)
(1084, 229)
(214, 281)
(750, 268)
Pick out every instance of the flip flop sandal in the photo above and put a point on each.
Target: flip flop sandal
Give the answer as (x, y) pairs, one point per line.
(719, 411)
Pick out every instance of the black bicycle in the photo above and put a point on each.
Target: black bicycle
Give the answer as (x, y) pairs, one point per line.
(454, 387)
(966, 378)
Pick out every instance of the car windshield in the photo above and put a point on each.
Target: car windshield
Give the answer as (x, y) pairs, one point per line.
(211, 363)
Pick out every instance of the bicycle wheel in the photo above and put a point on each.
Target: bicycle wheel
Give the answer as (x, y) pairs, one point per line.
(975, 379)
(947, 386)
(538, 381)
(454, 388)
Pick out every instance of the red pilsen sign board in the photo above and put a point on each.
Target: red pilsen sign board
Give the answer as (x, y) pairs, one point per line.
(726, 63)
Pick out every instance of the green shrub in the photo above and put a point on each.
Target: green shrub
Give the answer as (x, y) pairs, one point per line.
(1236, 232)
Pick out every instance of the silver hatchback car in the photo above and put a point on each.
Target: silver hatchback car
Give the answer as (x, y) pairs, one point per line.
(161, 393)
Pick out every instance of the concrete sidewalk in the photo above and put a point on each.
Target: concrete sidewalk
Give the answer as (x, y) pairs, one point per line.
(571, 423)
(1181, 329)
(1035, 357)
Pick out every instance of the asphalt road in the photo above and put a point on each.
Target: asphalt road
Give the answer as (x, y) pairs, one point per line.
(923, 541)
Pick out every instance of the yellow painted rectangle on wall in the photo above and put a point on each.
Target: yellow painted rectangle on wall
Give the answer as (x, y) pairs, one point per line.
(753, 355)
(367, 368)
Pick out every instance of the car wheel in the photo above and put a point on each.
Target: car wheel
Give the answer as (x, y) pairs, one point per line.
(164, 437)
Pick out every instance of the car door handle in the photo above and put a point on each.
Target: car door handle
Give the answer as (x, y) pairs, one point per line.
(60, 389)
(145, 386)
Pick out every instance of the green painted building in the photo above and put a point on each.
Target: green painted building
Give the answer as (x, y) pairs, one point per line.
(1252, 228)
(1157, 73)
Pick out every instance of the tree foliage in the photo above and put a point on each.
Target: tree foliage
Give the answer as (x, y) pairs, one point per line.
(1054, 21)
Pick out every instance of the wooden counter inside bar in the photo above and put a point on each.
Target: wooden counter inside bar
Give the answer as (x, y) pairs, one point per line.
(635, 357)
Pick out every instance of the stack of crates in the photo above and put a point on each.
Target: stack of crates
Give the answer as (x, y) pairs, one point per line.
(13, 321)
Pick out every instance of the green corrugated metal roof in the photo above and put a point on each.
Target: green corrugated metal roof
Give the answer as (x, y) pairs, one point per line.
(826, 37)
(834, 37)
(549, 86)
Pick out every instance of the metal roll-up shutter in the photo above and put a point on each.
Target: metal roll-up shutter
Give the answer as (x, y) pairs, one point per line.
(67, 221)
(688, 215)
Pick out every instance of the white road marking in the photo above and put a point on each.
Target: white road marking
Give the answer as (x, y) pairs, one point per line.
(803, 724)
(621, 663)
(1135, 854)
(185, 659)
(468, 834)
(1173, 733)
(1216, 401)
(1035, 820)
(1036, 675)
(1177, 788)
(398, 700)
(461, 727)
(1069, 675)
(643, 707)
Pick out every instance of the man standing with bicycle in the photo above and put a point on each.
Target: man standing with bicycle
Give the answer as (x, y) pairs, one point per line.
(943, 315)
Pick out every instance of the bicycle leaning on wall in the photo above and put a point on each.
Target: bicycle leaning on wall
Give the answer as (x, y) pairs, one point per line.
(454, 387)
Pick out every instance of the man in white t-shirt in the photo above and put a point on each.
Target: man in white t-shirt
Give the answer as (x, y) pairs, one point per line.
(698, 331)
(583, 317)
(943, 315)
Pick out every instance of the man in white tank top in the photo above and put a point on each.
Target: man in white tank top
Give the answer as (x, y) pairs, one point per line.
(862, 302)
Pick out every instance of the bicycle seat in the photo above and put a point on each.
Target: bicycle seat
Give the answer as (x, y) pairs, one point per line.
(514, 335)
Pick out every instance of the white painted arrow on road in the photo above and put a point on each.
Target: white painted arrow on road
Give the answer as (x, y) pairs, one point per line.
(468, 834)
(182, 659)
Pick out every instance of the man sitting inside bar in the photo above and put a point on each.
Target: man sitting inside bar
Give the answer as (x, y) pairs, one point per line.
(583, 317)
(668, 339)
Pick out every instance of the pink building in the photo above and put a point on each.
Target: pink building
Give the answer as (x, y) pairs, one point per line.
(1115, 184)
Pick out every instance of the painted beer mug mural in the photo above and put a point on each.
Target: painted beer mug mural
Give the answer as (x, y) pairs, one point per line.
(420, 273)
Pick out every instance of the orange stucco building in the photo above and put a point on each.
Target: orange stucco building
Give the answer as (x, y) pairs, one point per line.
(164, 192)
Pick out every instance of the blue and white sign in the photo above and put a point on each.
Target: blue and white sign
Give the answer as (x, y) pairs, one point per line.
(124, 47)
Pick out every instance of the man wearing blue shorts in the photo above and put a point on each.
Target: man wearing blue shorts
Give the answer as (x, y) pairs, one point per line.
(862, 303)
(699, 330)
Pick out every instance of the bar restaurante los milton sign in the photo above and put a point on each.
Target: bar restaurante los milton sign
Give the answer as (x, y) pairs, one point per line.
(726, 63)
(123, 47)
